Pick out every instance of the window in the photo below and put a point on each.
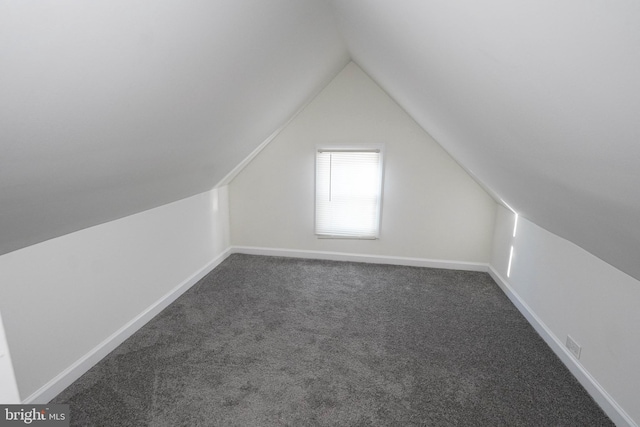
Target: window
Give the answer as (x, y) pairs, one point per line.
(348, 193)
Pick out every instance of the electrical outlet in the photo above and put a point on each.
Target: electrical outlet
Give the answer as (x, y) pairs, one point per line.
(573, 347)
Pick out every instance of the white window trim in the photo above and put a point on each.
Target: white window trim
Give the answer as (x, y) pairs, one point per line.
(348, 148)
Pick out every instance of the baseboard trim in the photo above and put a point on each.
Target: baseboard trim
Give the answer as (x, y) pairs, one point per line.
(597, 392)
(52, 388)
(373, 259)
(63, 380)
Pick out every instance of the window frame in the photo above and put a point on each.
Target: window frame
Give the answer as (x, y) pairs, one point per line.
(377, 147)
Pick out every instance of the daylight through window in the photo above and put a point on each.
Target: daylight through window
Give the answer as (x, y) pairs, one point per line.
(348, 193)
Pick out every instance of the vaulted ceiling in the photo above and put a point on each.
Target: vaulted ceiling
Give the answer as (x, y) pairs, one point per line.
(111, 107)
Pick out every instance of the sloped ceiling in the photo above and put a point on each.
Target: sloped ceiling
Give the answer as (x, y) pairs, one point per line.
(111, 107)
(539, 100)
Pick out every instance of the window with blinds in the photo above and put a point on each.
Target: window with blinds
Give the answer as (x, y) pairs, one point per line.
(348, 193)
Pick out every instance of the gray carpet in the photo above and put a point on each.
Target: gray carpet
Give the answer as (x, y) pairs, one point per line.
(267, 341)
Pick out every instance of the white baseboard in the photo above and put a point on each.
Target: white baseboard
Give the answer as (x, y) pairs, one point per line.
(373, 259)
(51, 389)
(597, 392)
(63, 380)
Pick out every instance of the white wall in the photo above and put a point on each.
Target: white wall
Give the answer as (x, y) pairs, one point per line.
(564, 290)
(8, 385)
(112, 107)
(64, 299)
(272, 200)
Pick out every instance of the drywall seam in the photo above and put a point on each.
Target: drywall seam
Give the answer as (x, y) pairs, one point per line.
(495, 196)
(595, 390)
(64, 379)
(374, 259)
(243, 164)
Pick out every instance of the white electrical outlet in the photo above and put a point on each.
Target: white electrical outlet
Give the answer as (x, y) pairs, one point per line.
(573, 347)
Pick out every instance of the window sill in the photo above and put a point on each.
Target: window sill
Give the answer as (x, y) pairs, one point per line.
(323, 236)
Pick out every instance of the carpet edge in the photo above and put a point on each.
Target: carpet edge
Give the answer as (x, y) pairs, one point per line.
(65, 378)
(584, 377)
(371, 259)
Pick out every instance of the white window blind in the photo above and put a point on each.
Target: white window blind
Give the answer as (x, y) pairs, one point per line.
(348, 193)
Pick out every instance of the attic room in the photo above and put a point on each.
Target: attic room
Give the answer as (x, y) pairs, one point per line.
(155, 154)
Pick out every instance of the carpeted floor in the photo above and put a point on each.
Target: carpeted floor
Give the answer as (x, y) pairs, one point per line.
(267, 341)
